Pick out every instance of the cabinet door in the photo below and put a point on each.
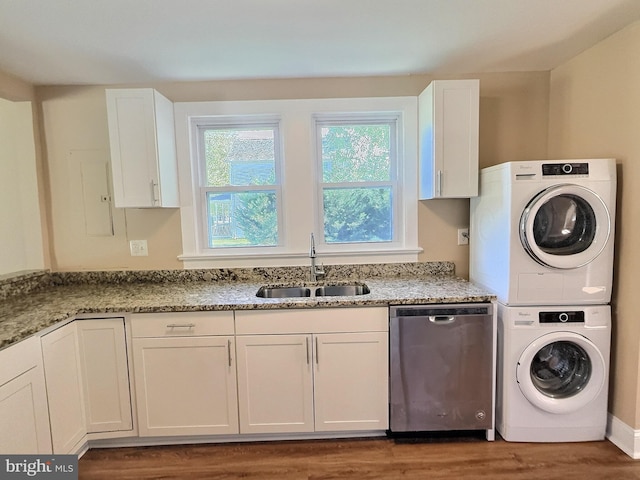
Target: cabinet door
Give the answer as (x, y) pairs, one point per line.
(142, 143)
(103, 355)
(448, 119)
(24, 415)
(64, 388)
(351, 381)
(185, 386)
(275, 383)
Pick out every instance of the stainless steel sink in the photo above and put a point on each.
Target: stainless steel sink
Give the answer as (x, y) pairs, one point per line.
(341, 290)
(322, 291)
(283, 292)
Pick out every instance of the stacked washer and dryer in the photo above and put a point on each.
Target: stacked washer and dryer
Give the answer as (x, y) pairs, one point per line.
(541, 238)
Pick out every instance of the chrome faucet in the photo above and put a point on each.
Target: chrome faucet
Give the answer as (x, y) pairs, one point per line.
(317, 273)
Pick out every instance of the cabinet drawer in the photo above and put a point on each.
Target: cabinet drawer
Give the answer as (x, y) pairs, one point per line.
(185, 324)
(312, 320)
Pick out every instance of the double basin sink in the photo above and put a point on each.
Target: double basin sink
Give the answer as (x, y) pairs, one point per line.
(307, 291)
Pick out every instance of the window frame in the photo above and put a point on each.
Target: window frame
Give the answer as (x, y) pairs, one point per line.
(394, 121)
(299, 200)
(239, 122)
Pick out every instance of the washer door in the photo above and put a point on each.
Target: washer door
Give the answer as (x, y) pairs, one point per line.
(561, 372)
(565, 226)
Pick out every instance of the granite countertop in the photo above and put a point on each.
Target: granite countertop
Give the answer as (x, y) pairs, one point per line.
(34, 310)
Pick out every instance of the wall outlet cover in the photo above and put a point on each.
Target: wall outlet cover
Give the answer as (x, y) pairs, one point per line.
(463, 236)
(138, 248)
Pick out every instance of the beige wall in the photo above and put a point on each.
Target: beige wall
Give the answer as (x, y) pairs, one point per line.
(22, 216)
(595, 112)
(15, 89)
(20, 226)
(75, 120)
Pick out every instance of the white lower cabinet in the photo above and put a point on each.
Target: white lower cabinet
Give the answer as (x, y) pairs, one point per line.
(61, 356)
(24, 418)
(323, 370)
(275, 383)
(351, 381)
(103, 360)
(185, 373)
(197, 373)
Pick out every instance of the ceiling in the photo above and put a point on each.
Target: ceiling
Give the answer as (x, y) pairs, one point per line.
(56, 42)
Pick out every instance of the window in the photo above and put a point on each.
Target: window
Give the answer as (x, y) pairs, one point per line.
(239, 187)
(257, 177)
(357, 179)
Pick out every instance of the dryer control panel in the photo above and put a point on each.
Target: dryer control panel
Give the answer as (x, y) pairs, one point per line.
(555, 169)
(561, 317)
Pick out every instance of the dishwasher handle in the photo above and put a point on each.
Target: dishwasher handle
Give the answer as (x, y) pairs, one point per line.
(442, 319)
(457, 310)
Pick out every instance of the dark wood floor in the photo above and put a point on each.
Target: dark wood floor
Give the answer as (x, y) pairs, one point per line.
(364, 459)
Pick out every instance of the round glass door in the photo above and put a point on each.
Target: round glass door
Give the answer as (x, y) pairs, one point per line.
(565, 226)
(560, 369)
(561, 372)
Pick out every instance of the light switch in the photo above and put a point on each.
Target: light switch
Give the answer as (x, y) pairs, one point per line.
(138, 248)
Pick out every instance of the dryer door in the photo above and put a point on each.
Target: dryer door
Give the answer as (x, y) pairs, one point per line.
(561, 372)
(565, 226)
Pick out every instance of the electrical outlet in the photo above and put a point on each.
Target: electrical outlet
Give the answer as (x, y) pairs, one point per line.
(138, 248)
(463, 236)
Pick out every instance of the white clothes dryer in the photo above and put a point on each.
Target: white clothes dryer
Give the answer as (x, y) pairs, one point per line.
(542, 232)
(553, 372)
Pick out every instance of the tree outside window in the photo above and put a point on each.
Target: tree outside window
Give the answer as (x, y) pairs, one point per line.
(357, 180)
(241, 188)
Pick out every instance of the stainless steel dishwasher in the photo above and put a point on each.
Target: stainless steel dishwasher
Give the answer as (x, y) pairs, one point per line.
(441, 367)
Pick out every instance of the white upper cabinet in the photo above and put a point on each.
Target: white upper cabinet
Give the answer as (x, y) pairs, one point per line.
(448, 122)
(143, 151)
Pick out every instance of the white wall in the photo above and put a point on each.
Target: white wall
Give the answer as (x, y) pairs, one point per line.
(20, 224)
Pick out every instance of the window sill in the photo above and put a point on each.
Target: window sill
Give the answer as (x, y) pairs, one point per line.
(238, 260)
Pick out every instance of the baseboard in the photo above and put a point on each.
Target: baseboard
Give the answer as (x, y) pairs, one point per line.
(159, 441)
(623, 436)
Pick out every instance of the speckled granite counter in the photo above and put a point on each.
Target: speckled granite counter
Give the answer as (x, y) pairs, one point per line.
(56, 297)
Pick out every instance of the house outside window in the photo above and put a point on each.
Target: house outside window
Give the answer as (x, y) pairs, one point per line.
(240, 186)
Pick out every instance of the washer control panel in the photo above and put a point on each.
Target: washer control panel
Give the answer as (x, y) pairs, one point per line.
(565, 169)
(561, 317)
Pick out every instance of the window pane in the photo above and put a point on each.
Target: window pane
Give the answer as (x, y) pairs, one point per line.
(357, 215)
(239, 157)
(244, 219)
(356, 153)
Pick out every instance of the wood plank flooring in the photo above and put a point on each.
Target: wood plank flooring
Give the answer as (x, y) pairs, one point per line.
(364, 459)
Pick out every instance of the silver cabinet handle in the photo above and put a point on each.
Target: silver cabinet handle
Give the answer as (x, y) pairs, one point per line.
(317, 354)
(181, 325)
(154, 198)
(229, 351)
(307, 343)
(439, 184)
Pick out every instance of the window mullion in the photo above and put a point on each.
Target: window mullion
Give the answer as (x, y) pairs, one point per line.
(388, 183)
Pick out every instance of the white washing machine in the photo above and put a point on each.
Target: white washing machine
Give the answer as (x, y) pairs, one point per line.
(541, 232)
(553, 371)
